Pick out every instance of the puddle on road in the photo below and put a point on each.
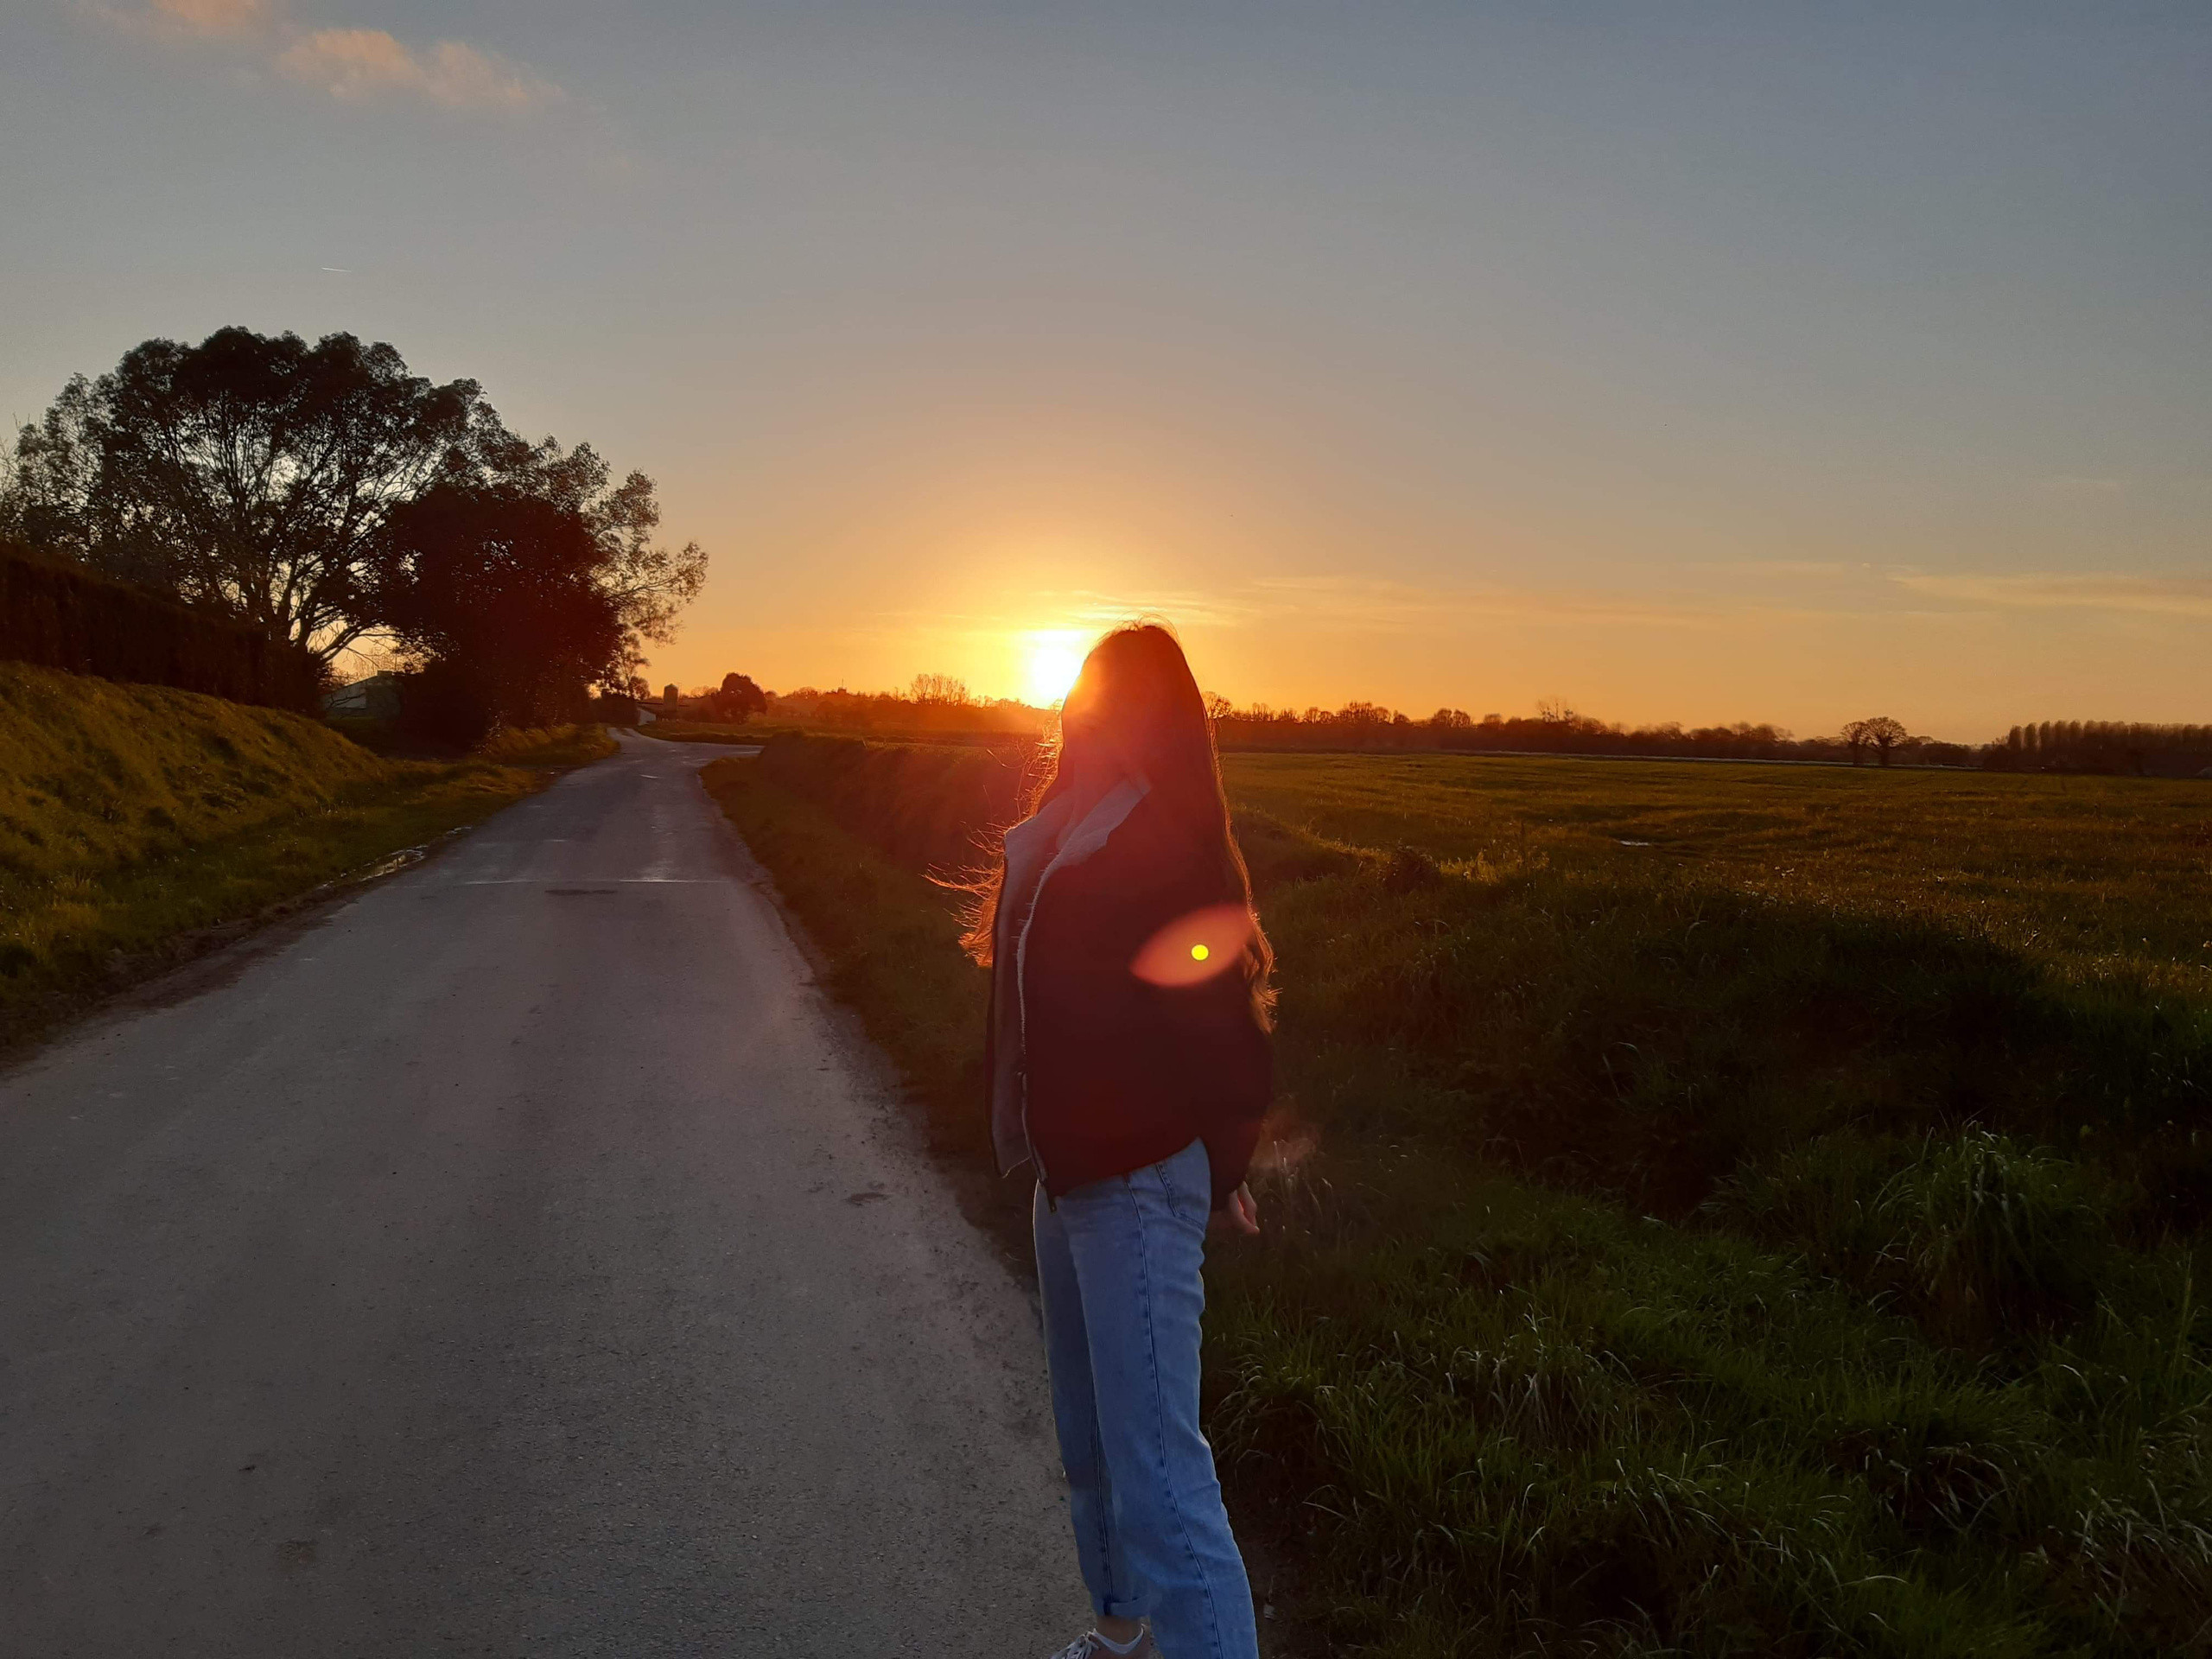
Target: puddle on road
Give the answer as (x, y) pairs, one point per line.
(384, 867)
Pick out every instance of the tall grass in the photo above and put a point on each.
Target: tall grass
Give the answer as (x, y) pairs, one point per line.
(94, 774)
(546, 746)
(134, 818)
(1657, 1259)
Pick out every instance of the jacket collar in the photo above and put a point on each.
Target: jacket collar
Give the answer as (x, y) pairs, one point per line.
(1033, 840)
(1091, 832)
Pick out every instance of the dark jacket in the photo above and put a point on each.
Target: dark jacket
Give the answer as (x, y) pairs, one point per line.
(1120, 1073)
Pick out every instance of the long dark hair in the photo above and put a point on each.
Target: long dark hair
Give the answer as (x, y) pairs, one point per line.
(1136, 708)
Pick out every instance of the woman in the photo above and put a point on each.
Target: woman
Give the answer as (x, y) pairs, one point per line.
(1127, 1051)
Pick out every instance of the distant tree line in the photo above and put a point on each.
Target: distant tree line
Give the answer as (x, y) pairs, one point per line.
(932, 703)
(1556, 728)
(936, 703)
(2051, 746)
(2104, 745)
(327, 497)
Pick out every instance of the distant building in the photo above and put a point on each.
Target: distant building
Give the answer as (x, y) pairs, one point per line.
(375, 698)
(613, 709)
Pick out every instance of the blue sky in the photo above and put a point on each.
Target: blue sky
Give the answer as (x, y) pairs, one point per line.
(1692, 361)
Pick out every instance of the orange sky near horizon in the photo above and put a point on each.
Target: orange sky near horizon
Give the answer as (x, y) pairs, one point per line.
(1637, 612)
(1807, 672)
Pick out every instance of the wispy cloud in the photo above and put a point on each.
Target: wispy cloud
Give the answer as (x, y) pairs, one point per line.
(2080, 486)
(1845, 588)
(1799, 570)
(1376, 605)
(1805, 591)
(1082, 610)
(354, 66)
(2159, 595)
(1090, 608)
(185, 17)
(1355, 603)
(357, 65)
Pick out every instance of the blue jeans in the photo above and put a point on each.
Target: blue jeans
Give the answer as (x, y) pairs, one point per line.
(1117, 1269)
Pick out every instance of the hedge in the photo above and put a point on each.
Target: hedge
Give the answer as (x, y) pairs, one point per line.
(59, 616)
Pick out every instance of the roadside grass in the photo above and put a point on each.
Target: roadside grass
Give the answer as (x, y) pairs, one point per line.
(688, 731)
(136, 820)
(558, 746)
(1521, 1420)
(546, 746)
(1657, 1262)
(754, 731)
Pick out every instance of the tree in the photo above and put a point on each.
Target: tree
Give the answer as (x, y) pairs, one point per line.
(649, 584)
(738, 699)
(1880, 732)
(498, 598)
(250, 473)
(45, 484)
(940, 688)
(258, 475)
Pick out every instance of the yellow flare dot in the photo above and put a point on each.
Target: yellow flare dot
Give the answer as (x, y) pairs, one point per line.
(1199, 953)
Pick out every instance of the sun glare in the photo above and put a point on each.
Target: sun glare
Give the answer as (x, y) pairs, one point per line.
(1055, 658)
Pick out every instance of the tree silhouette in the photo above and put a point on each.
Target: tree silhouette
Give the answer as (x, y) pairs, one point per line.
(498, 598)
(251, 473)
(258, 474)
(940, 688)
(648, 584)
(1878, 732)
(738, 699)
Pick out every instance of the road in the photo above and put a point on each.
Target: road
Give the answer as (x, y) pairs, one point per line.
(519, 1258)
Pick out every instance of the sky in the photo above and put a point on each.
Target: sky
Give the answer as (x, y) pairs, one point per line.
(1703, 362)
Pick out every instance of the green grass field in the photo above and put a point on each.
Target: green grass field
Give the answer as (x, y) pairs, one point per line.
(2098, 874)
(1786, 1236)
(135, 819)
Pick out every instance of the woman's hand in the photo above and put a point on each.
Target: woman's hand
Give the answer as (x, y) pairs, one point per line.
(1241, 1213)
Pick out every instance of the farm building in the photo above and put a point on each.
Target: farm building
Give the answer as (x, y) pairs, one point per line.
(374, 698)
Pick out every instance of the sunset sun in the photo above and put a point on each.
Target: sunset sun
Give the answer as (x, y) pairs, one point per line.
(1055, 658)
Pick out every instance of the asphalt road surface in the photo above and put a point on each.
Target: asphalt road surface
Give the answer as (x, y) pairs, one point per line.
(518, 1259)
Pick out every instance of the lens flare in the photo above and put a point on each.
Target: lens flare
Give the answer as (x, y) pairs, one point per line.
(1196, 948)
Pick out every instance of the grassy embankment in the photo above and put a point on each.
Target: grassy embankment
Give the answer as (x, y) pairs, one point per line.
(135, 819)
(1780, 1233)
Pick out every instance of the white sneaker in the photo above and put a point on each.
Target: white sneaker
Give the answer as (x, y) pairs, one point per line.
(1091, 1645)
